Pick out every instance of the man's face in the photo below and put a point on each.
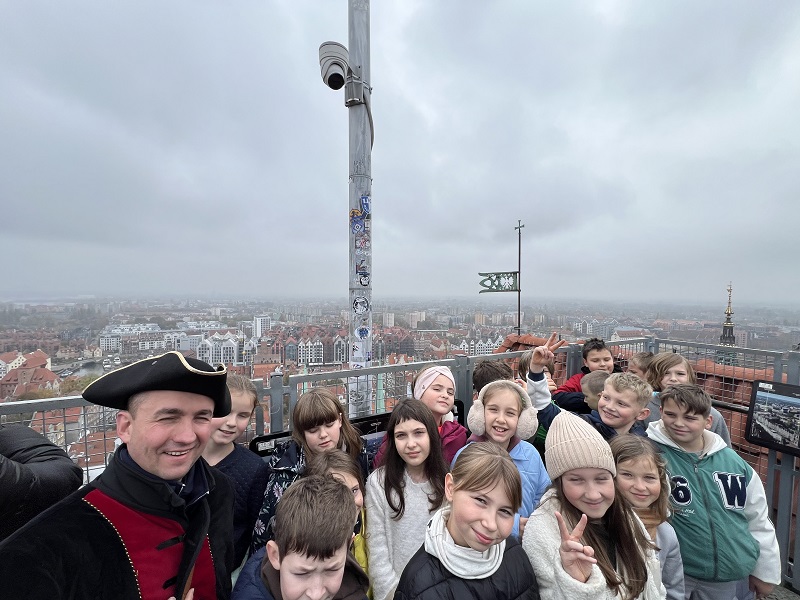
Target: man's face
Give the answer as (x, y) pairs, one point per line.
(168, 431)
(599, 359)
(306, 578)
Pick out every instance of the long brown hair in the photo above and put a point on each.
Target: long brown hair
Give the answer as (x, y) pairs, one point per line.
(629, 447)
(318, 407)
(394, 468)
(628, 539)
(661, 363)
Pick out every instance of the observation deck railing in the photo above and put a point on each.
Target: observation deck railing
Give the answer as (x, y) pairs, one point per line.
(87, 432)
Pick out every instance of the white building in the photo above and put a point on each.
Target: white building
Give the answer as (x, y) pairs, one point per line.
(110, 342)
(219, 349)
(261, 325)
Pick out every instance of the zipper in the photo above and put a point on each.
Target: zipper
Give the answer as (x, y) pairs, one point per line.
(710, 521)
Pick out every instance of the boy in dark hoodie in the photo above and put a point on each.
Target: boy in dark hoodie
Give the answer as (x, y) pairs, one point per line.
(309, 556)
(623, 400)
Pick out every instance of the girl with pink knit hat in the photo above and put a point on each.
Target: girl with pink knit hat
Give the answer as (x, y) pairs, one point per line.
(435, 386)
(584, 541)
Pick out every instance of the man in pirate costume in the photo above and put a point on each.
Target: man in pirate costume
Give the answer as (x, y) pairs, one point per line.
(158, 522)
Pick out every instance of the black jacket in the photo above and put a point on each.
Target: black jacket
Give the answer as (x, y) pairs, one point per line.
(73, 550)
(34, 475)
(425, 578)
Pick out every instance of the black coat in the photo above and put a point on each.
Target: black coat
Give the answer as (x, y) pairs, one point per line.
(73, 551)
(425, 578)
(34, 475)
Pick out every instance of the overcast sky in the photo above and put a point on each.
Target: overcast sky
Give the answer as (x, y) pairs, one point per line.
(650, 148)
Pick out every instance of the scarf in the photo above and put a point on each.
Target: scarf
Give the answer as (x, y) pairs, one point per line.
(462, 562)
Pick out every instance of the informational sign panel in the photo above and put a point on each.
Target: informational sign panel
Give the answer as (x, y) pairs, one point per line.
(774, 417)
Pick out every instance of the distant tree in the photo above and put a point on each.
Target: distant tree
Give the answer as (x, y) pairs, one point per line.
(37, 395)
(77, 385)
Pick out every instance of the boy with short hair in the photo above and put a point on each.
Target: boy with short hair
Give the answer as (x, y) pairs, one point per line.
(638, 363)
(592, 386)
(486, 371)
(624, 400)
(309, 555)
(596, 357)
(712, 485)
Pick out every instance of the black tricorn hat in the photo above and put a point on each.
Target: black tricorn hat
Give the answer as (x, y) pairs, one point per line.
(170, 371)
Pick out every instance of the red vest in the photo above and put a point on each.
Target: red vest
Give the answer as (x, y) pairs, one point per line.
(154, 546)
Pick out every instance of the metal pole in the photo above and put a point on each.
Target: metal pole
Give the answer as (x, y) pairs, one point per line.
(357, 99)
(519, 275)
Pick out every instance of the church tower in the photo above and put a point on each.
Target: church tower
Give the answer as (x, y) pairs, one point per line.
(727, 338)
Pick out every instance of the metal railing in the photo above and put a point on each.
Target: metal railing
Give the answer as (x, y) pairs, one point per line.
(87, 432)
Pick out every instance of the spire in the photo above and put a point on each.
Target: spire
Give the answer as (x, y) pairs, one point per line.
(727, 338)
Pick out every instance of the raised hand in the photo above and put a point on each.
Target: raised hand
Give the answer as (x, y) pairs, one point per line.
(576, 558)
(542, 355)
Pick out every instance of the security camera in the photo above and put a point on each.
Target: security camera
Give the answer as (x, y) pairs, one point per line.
(333, 64)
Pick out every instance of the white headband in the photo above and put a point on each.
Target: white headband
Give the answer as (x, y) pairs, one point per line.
(427, 377)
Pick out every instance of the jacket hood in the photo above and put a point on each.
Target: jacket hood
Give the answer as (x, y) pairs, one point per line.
(711, 441)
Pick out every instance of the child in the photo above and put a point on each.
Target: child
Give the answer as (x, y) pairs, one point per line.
(584, 541)
(596, 357)
(712, 485)
(623, 401)
(319, 425)
(340, 465)
(402, 494)
(308, 557)
(638, 364)
(487, 371)
(467, 551)
(592, 386)
(642, 481)
(523, 366)
(247, 470)
(502, 415)
(436, 387)
(666, 369)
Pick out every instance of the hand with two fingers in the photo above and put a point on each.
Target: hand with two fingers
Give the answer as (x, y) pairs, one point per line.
(576, 558)
(543, 355)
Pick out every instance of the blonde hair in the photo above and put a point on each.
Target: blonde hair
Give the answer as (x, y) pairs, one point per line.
(240, 383)
(594, 382)
(484, 465)
(628, 381)
(504, 384)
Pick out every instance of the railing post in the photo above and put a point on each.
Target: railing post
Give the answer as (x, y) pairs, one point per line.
(462, 371)
(574, 359)
(793, 368)
(275, 402)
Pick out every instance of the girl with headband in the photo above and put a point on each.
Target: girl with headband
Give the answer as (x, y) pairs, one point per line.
(435, 386)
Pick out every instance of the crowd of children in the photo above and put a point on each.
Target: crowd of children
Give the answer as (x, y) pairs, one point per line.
(637, 493)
